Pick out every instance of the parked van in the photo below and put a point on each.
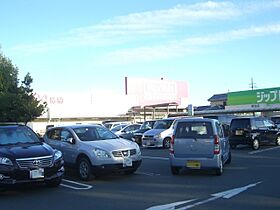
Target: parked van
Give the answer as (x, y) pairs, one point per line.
(199, 144)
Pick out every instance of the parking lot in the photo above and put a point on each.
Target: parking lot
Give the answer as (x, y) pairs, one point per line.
(249, 182)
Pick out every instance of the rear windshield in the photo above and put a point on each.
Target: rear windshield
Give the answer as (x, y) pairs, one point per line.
(240, 124)
(194, 130)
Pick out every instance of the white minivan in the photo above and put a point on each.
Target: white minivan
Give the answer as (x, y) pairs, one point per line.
(198, 144)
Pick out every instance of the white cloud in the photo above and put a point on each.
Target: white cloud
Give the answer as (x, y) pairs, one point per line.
(150, 24)
(187, 46)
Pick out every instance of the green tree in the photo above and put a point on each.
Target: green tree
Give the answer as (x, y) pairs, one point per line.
(17, 102)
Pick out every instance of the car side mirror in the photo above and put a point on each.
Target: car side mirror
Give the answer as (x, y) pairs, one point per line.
(70, 140)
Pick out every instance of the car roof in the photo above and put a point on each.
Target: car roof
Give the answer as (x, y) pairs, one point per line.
(196, 119)
(76, 126)
(249, 117)
(11, 125)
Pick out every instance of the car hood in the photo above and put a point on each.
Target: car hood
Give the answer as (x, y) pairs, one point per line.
(141, 131)
(113, 144)
(26, 150)
(153, 132)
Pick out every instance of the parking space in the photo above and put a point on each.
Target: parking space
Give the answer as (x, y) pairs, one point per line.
(249, 178)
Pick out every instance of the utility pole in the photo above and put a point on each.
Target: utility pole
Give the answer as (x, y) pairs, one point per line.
(252, 84)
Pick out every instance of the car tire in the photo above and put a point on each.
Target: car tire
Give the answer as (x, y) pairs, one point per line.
(54, 182)
(255, 144)
(84, 169)
(229, 158)
(277, 141)
(219, 171)
(175, 170)
(166, 143)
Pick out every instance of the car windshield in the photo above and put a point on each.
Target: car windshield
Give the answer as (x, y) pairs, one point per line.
(16, 135)
(118, 128)
(95, 133)
(147, 125)
(163, 124)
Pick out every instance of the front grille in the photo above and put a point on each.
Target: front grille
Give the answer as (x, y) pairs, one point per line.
(147, 137)
(124, 153)
(36, 162)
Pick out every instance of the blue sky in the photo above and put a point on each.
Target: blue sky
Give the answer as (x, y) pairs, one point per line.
(216, 46)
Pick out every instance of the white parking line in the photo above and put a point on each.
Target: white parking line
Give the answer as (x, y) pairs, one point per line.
(263, 150)
(154, 158)
(146, 174)
(84, 186)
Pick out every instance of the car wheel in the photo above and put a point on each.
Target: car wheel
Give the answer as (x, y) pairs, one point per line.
(166, 143)
(220, 170)
(256, 144)
(277, 142)
(84, 169)
(229, 158)
(54, 182)
(175, 170)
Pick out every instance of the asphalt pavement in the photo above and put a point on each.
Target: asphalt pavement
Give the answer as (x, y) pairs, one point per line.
(251, 181)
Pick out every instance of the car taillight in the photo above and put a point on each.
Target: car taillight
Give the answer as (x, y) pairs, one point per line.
(171, 150)
(216, 145)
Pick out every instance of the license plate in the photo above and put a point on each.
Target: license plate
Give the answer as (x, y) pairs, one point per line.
(193, 164)
(148, 143)
(239, 133)
(37, 173)
(127, 162)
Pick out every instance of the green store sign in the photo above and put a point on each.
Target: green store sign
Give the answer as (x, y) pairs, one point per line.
(261, 96)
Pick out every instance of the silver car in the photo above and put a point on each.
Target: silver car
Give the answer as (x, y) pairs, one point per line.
(199, 144)
(94, 150)
(160, 135)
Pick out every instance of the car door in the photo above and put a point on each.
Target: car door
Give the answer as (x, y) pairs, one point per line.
(272, 130)
(262, 130)
(223, 141)
(69, 148)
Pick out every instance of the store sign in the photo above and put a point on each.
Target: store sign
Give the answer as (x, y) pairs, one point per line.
(261, 96)
(152, 91)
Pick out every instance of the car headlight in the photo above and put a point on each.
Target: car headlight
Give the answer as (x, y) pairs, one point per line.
(57, 155)
(5, 161)
(157, 136)
(101, 154)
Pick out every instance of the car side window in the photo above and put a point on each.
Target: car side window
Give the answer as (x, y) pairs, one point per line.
(219, 130)
(268, 123)
(260, 124)
(54, 134)
(65, 134)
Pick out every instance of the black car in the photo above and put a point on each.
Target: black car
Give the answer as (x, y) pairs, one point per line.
(276, 120)
(147, 125)
(253, 131)
(24, 158)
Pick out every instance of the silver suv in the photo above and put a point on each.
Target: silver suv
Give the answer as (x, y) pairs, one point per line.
(199, 144)
(94, 150)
